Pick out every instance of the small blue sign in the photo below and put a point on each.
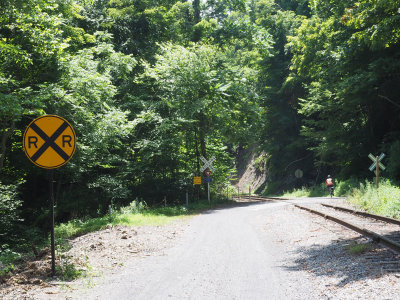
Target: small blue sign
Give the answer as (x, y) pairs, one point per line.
(208, 179)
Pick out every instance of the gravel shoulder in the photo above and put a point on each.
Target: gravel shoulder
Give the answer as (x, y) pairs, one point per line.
(98, 254)
(321, 248)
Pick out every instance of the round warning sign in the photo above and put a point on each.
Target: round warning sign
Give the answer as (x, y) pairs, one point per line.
(49, 141)
(298, 173)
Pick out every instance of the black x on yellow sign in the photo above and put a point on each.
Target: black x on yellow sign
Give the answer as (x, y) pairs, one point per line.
(49, 141)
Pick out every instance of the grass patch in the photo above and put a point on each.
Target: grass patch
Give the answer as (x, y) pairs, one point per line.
(314, 191)
(149, 217)
(382, 201)
(342, 188)
(357, 249)
(69, 272)
(143, 219)
(136, 214)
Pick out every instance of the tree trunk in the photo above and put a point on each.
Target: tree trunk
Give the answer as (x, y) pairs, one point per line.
(196, 7)
(202, 137)
(4, 138)
(197, 150)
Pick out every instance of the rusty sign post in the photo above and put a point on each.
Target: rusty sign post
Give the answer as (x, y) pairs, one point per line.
(50, 142)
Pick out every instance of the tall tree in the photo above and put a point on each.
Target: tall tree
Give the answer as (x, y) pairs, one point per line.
(347, 58)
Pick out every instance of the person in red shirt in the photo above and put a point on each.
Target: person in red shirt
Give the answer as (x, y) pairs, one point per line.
(329, 184)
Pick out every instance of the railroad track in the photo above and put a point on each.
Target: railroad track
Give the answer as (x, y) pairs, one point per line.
(383, 230)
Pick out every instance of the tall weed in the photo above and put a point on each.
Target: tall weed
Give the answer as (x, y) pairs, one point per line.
(384, 201)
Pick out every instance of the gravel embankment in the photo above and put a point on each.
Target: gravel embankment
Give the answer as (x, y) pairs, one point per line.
(321, 248)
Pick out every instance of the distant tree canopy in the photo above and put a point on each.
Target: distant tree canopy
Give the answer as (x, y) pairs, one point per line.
(150, 86)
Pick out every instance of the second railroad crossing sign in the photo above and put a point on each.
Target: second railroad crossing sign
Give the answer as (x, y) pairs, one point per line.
(49, 141)
(207, 163)
(373, 158)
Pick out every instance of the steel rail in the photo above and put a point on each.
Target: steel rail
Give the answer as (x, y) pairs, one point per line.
(373, 235)
(376, 237)
(264, 198)
(365, 214)
(246, 197)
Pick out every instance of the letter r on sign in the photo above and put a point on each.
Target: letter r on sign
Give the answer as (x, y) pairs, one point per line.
(32, 140)
(66, 139)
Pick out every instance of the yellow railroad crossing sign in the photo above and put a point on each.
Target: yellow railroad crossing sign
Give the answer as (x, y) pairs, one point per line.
(49, 141)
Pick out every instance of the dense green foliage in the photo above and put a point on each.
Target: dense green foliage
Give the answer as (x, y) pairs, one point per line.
(382, 201)
(9, 206)
(151, 86)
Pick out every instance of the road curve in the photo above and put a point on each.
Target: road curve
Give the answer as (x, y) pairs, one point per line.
(223, 254)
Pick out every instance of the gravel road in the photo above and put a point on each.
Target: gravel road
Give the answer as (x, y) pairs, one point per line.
(259, 250)
(223, 254)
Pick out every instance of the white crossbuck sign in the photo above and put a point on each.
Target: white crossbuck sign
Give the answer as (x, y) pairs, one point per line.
(207, 163)
(373, 158)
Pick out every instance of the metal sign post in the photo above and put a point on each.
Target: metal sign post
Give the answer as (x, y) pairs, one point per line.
(50, 142)
(208, 192)
(53, 247)
(377, 165)
(208, 179)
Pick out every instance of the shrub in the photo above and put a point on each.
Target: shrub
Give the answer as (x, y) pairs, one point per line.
(346, 187)
(9, 210)
(385, 200)
(7, 258)
(135, 206)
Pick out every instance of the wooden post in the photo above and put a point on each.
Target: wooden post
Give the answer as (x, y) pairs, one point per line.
(249, 192)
